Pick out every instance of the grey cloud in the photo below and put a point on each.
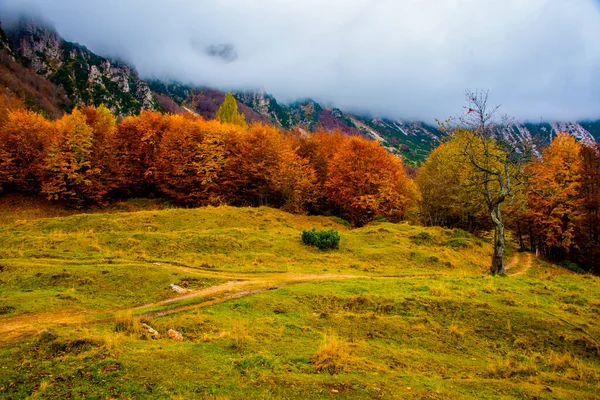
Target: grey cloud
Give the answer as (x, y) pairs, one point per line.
(399, 58)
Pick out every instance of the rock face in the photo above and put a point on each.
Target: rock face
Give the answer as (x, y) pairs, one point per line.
(4, 44)
(87, 78)
(34, 90)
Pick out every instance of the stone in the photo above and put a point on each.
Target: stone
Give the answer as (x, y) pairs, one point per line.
(151, 331)
(175, 335)
(178, 289)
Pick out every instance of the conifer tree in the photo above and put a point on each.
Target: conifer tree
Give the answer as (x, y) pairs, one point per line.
(228, 112)
(70, 174)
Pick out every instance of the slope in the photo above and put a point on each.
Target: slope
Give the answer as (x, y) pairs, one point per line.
(397, 312)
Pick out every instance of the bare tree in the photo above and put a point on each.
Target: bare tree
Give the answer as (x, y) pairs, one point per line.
(499, 162)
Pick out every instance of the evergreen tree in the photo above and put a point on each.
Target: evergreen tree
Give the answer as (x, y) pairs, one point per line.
(228, 112)
(70, 173)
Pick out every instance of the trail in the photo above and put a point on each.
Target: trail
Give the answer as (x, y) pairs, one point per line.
(237, 285)
(517, 266)
(13, 329)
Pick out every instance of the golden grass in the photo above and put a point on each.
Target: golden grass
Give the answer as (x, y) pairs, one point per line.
(333, 355)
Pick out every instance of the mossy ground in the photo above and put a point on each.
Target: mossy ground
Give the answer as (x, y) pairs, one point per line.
(397, 312)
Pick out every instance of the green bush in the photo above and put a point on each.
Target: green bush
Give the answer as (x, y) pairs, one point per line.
(323, 240)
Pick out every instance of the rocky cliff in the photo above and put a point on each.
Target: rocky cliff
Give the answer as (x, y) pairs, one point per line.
(87, 78)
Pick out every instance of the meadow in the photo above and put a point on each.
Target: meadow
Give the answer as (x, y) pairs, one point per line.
(398, 311)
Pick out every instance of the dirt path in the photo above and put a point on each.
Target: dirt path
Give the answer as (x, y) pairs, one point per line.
(237, 285)
(21, 326)
(520, 264)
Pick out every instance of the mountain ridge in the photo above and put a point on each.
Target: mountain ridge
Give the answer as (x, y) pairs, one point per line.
(75, 76)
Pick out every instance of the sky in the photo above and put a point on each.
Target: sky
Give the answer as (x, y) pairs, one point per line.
(408, 59)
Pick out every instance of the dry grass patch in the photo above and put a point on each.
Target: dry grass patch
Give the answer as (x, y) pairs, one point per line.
(241, 339)
(333, 355)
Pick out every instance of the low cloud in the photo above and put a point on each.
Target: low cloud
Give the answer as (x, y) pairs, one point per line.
(540, 59)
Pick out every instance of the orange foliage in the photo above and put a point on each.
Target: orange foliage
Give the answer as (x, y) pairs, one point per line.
(252, 158)
(365, 181)
(191, 158)
(72, 174)
(554, 193)
(294, 180)
(104, 129)
(24, 137)
(589, 240)
(137, 140)
(86, 157)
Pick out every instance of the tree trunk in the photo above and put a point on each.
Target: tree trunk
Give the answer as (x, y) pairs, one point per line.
(498, 258)
(532, 245)
(520, 233)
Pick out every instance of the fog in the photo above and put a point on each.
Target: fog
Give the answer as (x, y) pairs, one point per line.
(539, 59)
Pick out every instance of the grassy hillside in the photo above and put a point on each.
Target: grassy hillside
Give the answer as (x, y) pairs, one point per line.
(397, 312)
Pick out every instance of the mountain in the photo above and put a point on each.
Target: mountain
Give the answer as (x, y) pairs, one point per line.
(413, 140)
(86, 78)
(53, 75)
(35, 91)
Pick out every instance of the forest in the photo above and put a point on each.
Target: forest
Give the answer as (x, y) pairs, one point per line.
(88, 158)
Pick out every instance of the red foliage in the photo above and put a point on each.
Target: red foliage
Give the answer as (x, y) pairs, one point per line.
(136, 141)
(191, 158)
(24, 137)
(365, 181)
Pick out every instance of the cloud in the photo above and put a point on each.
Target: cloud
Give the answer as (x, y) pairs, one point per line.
(400, 58)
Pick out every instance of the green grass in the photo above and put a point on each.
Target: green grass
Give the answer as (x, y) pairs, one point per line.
(397, 312)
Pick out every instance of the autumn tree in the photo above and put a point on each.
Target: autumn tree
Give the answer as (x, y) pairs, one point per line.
(447, 193)
(554, 201)
(104, 128)
(228, 112)
(71, 175)
(191, 158)
(499, 164)
(8, 102)
(365, 181)
(294, 180)
(252, 159)
(589, 238)
(318, 148)
(137, 140)
(24, 138)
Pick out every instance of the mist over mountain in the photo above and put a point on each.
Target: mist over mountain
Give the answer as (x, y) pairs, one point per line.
(540, 59)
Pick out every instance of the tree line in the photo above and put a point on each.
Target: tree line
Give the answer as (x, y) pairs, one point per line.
(555, 211)
(550, 201)
(88, 158)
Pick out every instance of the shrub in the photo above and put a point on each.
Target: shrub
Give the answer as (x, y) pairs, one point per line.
(323, 240)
